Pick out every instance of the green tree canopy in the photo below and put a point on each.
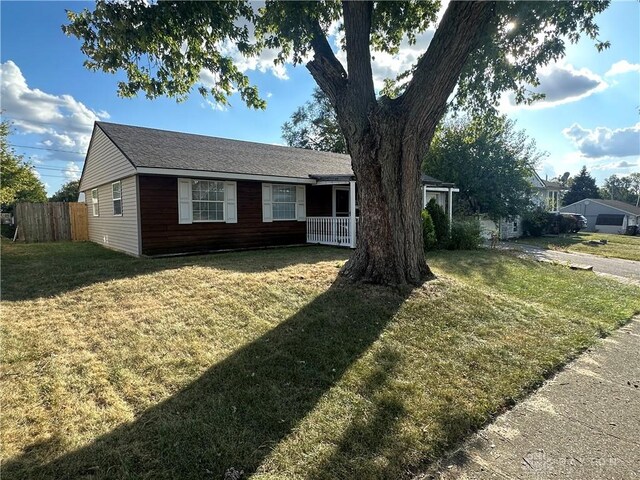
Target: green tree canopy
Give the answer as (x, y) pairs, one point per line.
(483, 48)
(68, 192)
(621, 187)
(489, 160)
(314, 126)
(18, 182)
(581, 186)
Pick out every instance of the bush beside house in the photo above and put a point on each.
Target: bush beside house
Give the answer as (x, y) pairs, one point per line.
(538, 222)
(465, 235)
(428, 232)
(440, 222)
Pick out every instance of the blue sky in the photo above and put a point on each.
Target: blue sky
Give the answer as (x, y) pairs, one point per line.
(592, 115)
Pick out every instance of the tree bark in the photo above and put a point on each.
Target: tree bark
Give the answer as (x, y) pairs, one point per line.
(387, 139)
(389, 247)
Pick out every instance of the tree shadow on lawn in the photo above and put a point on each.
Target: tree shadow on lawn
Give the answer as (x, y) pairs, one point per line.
(32, 271)
(236, 412)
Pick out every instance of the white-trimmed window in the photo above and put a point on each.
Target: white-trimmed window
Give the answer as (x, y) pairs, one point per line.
(94, 202)
(283, 202)
(116, 196)
(206, 201)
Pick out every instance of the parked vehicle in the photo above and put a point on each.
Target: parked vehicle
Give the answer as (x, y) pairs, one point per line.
(568, 223)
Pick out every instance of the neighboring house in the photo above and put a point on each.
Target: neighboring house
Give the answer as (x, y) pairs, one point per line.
(153, 192)
(547, 194)
(606, 216)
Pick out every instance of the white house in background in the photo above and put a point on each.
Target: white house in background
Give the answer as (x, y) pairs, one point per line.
(606, 216)
(546, 194)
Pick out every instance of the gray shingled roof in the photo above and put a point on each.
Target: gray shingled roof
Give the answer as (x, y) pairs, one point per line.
(552, 184)
(148, 147)
(627, 207)
(153, 148)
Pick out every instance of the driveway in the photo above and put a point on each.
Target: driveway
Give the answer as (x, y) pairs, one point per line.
(625, 269)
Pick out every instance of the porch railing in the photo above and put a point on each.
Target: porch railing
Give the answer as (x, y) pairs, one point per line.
(329, 231)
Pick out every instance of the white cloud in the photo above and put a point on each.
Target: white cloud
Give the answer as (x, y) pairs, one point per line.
(72, 171)
(621, 67)
(385, 65)
(605, 142)
(617, 165)
(561, 83)
(60, 121)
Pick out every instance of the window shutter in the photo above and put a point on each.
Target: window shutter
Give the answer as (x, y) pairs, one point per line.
(301, 208)
(267, 213)
(230, 202)
(185, 213)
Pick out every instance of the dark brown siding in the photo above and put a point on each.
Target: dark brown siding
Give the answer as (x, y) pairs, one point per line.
(161, 232)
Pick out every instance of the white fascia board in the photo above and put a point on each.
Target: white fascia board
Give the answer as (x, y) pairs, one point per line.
(176, 172)
(440, 189)
(331, 182)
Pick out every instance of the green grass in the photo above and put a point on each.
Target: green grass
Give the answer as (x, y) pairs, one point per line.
(267, 362)
(618, 246)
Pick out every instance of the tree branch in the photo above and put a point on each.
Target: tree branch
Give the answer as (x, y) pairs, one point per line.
(437, 72)
(325, 68)
(357, 27)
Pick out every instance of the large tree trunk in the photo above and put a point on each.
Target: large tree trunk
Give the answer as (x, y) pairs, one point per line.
(387, 139)
(389, 246)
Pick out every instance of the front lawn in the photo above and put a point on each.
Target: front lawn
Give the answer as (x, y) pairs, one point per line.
(266, 362)
(618, 246)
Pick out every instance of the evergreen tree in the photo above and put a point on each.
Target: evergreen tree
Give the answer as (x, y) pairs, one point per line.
(581, 186)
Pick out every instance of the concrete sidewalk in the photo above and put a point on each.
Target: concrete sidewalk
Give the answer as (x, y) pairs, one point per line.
(583, 424)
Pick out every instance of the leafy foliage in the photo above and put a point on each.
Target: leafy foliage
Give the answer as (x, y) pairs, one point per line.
(582, 186)
(428, 232)
(68, 192)
(465, 235)
(625, 188)
(314, 126)
(440, 222)
(18, 182)
(489, 160)
(162, 47)
(535, 222)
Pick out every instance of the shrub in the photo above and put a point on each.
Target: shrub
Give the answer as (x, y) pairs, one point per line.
(465, 235)
(536, 222)
(7, 231)
(428, 231)
(440, 222)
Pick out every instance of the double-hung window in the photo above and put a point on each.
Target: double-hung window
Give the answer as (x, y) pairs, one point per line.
(206, 201)
(94, 202)
(116, 195)
(283, 202)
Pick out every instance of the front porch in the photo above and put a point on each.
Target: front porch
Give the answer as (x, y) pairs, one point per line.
(341, 227)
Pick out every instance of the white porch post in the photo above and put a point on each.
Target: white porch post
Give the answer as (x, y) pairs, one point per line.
(450, 205)
(352, 214)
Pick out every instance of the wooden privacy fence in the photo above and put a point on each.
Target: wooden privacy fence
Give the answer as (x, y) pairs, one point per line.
(51, 222)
